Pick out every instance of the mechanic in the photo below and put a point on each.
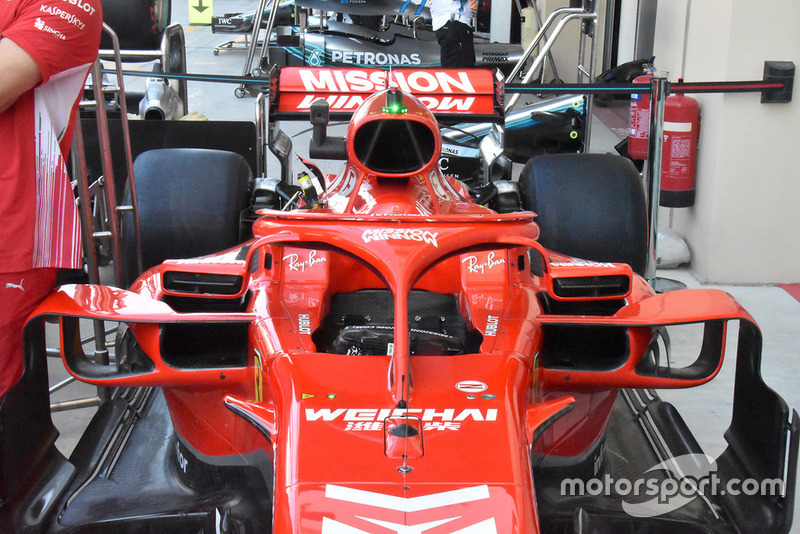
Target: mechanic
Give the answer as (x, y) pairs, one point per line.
(46, 50)
(452, 22)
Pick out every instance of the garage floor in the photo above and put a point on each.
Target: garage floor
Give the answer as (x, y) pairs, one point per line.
(707, 408)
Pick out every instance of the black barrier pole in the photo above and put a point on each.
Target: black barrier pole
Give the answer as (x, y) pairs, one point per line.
(758, 86)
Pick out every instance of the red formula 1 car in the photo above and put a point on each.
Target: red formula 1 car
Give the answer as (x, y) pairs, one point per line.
(392, 357)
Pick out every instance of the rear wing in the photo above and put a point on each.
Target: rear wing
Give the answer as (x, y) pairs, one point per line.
(453, 95)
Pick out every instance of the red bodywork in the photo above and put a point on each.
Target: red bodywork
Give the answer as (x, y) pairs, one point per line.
(330, 421)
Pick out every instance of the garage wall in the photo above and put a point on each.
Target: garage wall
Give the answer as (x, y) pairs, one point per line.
(745, 225)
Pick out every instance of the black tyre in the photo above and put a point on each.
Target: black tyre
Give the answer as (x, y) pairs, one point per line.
(190, 201)
(139, 24)
(590, 206)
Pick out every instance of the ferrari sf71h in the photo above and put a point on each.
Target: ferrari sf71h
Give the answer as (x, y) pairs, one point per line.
(385, 355)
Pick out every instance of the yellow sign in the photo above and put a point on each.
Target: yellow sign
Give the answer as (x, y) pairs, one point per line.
(200, 11)
(307, 396)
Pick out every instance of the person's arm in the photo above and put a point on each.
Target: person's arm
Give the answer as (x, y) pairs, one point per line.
(20, 73)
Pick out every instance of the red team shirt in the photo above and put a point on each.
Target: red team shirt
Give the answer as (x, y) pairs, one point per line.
(39, 223)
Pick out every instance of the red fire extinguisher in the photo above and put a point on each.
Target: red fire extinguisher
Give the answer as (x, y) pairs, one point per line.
(679, 148)
(640, 121)
(679, 151)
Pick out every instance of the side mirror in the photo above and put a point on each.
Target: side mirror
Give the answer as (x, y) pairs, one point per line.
(321, 146)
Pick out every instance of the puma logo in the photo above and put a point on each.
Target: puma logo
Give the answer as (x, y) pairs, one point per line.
(9, 285)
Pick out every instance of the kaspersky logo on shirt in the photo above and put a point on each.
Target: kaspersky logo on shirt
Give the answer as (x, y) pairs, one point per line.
(58, 12)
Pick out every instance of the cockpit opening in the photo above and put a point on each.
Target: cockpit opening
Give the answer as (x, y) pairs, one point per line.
(362, 323)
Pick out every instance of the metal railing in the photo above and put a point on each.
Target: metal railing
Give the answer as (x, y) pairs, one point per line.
(98, 208)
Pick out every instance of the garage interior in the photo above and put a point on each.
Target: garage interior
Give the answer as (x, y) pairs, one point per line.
(742, 229)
